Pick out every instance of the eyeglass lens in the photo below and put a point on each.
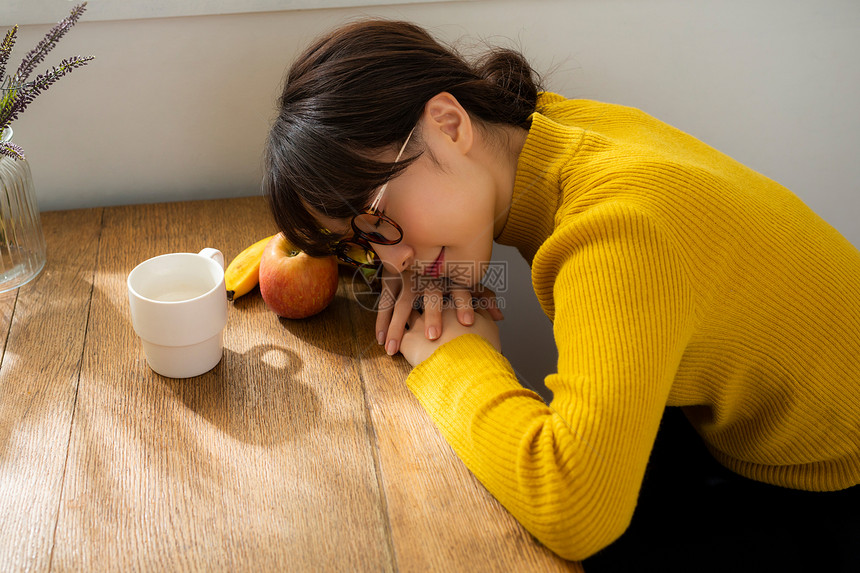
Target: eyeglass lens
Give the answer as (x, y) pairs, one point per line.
(355, 253)
(376, 229)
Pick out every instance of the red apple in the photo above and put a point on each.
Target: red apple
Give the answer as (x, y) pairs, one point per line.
(293, 283)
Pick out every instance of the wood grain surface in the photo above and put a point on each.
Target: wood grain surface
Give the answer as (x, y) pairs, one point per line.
(303, 450)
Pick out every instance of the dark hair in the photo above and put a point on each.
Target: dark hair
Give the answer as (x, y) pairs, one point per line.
(360, 90)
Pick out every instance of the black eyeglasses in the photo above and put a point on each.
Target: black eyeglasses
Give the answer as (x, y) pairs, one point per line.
(370, 228)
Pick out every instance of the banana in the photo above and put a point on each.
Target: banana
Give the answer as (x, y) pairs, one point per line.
(243, 272)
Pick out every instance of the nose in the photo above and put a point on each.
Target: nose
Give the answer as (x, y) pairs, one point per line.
(395, 257)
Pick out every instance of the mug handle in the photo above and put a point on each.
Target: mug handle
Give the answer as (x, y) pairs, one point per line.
(213, 254)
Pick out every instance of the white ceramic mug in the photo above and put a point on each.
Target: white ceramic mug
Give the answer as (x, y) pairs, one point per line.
(179, 310)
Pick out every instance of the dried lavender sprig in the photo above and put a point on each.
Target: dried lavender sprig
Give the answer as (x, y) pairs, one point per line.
(6, 49)
(23, 95)
(8, 95)
(9, 149)
(42, 81)
(37, 54)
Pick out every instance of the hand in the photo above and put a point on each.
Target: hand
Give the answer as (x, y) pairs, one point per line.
(416, 348)
(402, 292)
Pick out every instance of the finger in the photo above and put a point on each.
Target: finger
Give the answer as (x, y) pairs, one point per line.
(485, 313)
(415, 323)
(486, 299)
(433, 311)
(391, 286)
(413, 338)
(402, 310)
(462, 300)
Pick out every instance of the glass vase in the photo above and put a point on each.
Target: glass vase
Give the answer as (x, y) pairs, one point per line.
(22, 244)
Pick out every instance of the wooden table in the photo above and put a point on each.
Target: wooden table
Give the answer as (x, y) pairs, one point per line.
(303, 450)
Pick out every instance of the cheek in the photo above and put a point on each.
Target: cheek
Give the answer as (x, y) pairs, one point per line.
(466, 216)
(438, 208)
(437, 220)
(421, 222)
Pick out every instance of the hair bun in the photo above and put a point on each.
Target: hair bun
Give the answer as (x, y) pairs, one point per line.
(514, 80)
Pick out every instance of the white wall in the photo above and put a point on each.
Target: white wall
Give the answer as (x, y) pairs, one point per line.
(178, 108)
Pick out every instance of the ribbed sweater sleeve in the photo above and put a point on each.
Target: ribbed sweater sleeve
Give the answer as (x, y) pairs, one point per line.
(571, 472)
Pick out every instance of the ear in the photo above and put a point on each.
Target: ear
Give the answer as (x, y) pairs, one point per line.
(444, 114)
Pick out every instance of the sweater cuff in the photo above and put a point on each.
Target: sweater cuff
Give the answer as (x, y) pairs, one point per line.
(459, 375)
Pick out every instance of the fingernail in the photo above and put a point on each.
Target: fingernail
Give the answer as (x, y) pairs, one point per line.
(432, 333)
(391, 349)
(469, 318)
(380, 337)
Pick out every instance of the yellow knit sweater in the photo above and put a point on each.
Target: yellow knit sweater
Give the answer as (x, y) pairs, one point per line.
(674, 276)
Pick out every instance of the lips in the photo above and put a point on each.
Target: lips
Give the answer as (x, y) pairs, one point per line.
(435, 268)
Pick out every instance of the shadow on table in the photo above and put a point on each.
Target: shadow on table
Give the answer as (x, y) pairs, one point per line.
(334, 329)
(254, 397)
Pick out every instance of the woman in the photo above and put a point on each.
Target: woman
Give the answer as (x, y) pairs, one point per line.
(674, 276)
